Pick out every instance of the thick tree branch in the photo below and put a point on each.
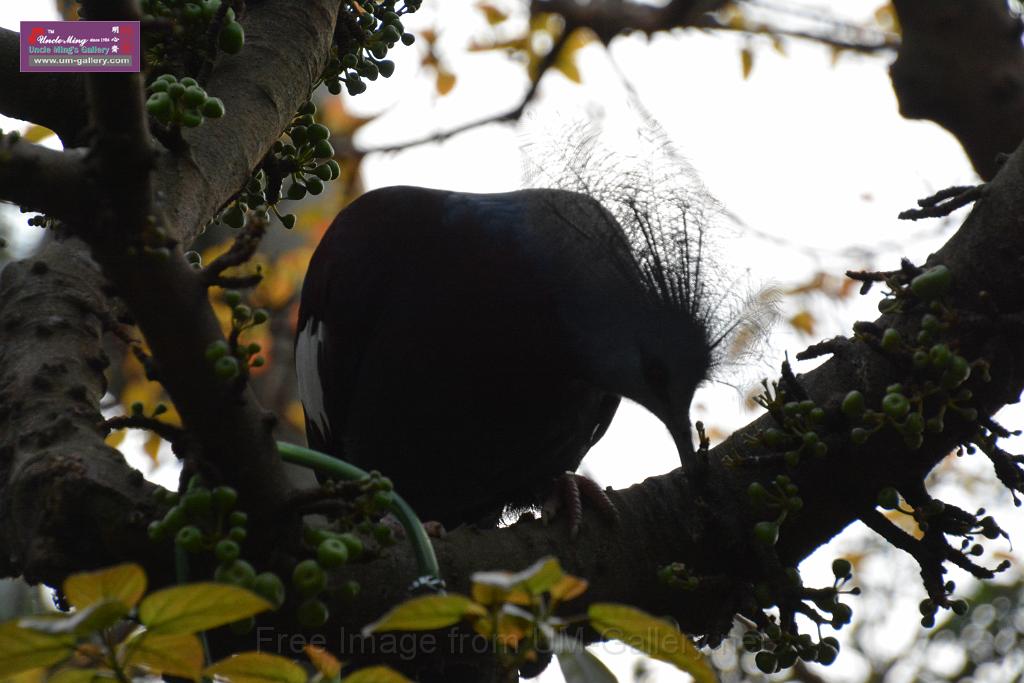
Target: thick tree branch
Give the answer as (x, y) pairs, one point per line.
(53, 100)
(29, 173)
(960, 65)
(67, 501)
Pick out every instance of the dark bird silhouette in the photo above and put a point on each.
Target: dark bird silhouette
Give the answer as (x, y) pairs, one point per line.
(474, 346)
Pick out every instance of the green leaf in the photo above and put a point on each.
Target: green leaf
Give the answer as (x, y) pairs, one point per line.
(23, 649)
(123, 582)
(376, 674)
(256, 667)
(95, 617)
(177, 654)
(426, 614)
(655, 637)
(580, 666)
(198, 607)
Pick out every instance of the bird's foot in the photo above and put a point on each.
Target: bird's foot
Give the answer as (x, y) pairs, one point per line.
(569, 492)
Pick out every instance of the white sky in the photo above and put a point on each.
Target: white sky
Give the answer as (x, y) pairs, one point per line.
(804, 151)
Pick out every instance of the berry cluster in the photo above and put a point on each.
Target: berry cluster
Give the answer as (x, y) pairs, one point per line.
(364, 34)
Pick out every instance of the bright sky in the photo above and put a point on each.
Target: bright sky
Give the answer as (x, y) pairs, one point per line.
(804, 151)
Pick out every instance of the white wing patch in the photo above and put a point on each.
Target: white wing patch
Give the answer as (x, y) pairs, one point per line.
(308, 350)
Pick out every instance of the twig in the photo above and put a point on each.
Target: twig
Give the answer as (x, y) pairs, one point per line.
(241, 251)
(945, 202)
(165, 431)
(510, 116)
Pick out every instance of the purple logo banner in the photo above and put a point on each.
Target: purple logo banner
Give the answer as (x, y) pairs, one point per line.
(80, 46)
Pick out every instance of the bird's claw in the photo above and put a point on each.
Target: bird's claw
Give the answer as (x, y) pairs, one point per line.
(569, 492)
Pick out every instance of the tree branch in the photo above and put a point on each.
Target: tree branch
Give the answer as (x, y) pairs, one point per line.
(53, 100)
(959, 65)
(29, 173)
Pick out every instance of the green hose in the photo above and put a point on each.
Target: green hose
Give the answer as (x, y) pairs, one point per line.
(426, 561)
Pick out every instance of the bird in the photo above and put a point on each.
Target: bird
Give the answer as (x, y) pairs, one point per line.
(473, 347)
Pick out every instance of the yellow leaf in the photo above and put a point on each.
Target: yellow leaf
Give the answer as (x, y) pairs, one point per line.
(152, 446)
(803, 322)
(115, 438)
(24, 649)
(445, 82)
(493, 15)
(179, 654)
(567, 588)
(652, 636)
(125, 583)
(426, 613)
(326, 663)
(747, 61)
(256, 667)
(198, 607)
(566, 59)
(30, 676)
(887, 18)
(36, 133)
(490, 588)
(376, 674)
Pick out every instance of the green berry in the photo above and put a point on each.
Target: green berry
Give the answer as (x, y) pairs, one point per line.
(932, 283)
(226, 367)
(312, 614)
(269, 586)
(197, 503)
(335, 168)
(288, 220)
(226, 550)
(408, 39)
(386, 68)
(957, 372)
(213, 108)
(841, 614)
(353, 543)
(939, 355)
(895, 406)
(853, 404)
(314, 185)
(159, 105)
(236, 572)
(191, 119)
(175, 90)
(766, 661)
(323, 172)
(307, 109)
(757, 493)
(959, 607)
(156, 530)
(298, 135)
(296, 191)
(317, 132)
(194, 96)
(216, 349)
(773, 437)
(231, 38)
(841, 568)
(308, 577)
(752, 641)
(766, 532)
(827, 654)
(190, 538)
(237, 533)
(331, 552)
(224, 497)
(891, 339)
(859, 435)
(323, 150)
(237, 518)
(174, 519)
